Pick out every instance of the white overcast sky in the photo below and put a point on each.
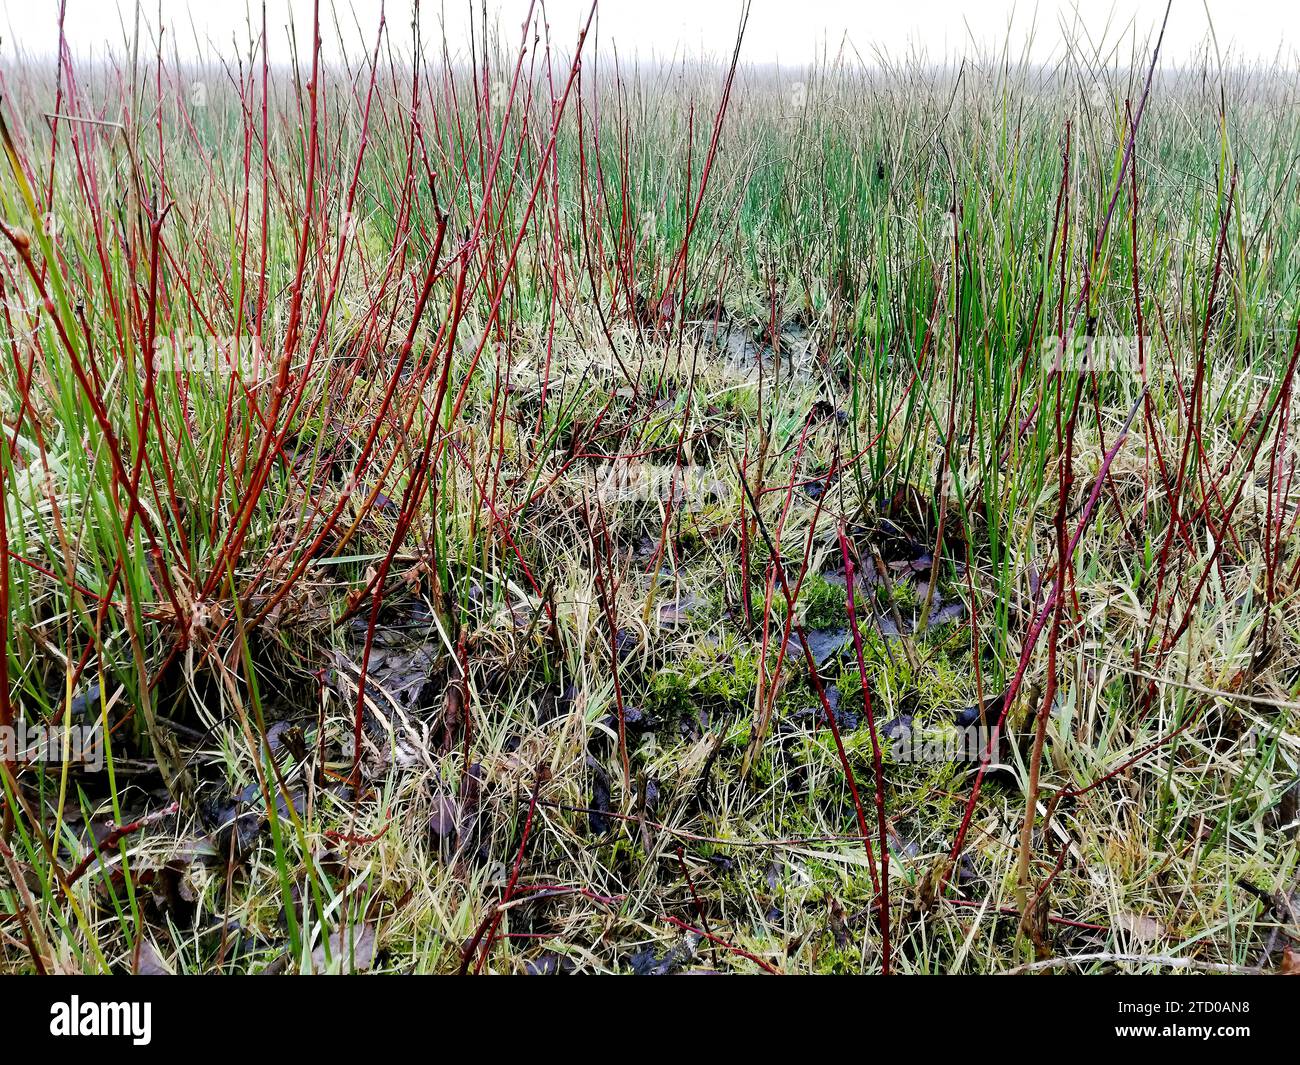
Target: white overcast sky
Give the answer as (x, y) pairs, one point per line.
(787, 31)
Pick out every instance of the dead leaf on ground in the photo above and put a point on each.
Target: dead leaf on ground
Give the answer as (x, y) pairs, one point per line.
(1141, 930)
(148, 962)
(351, 950)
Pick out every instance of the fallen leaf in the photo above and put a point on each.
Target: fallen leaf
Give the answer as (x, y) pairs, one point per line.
(148, 962)
(1142, 930)
(351, 950)
(444, 822)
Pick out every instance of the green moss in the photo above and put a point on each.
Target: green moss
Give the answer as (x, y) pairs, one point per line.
(763, 772)
(669, 694)
(833, 960)
(716, 679)
(822, 605)
(689, 541)
(623, 856)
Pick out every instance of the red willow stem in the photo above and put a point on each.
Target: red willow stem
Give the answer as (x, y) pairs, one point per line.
(115, 835)
(1192, 431)
(1104, 228)
(690, 885)
(876, 760)
(493, 921)
(680, 262)
(1031, 639)
(606, 585)
(767, 967)
(1065, 456)
(429, 457)
(816, 679)
(6, 709)
(262, 464)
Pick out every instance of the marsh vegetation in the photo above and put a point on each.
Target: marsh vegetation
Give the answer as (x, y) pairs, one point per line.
(505, 508)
